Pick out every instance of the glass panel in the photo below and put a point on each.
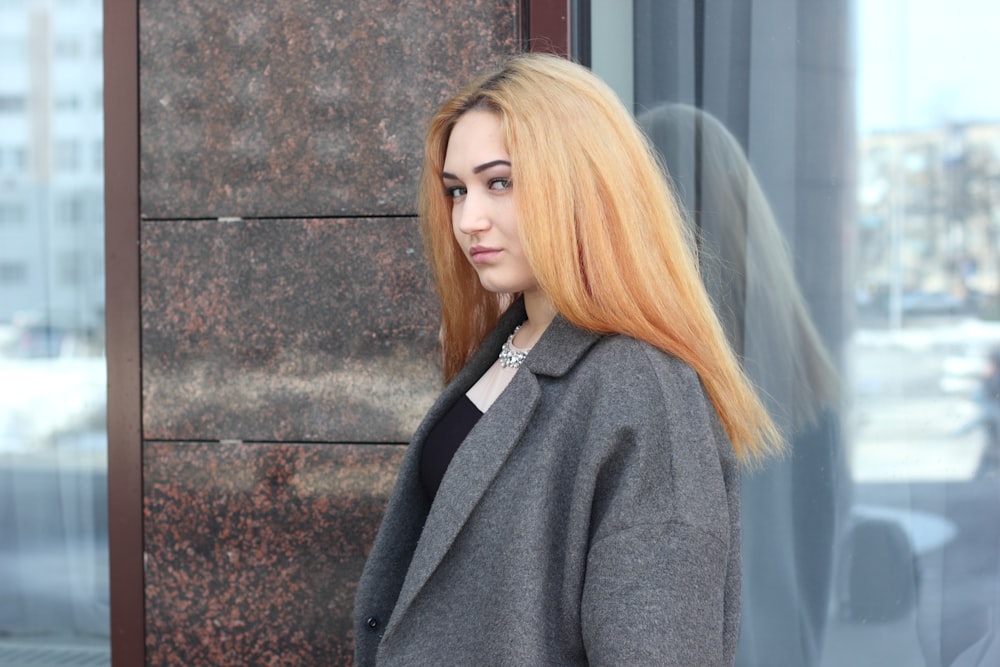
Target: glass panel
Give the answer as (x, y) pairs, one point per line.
(53, 442)
(843, 176)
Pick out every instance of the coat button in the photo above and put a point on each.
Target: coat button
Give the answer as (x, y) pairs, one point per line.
(372, 623)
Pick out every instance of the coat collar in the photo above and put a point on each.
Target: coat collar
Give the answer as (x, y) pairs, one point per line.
(488, 445)
(560, 347)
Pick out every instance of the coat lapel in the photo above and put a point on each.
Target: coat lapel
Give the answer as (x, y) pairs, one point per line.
(487, 447)
(467, 476)
(475, 465)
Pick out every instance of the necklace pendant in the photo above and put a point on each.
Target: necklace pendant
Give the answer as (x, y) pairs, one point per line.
(509, 357)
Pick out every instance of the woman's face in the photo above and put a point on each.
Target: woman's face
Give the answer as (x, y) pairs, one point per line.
(477, 179)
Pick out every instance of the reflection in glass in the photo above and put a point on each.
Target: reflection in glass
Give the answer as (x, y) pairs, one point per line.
(53, 442)
(877, 161)
(793, 509)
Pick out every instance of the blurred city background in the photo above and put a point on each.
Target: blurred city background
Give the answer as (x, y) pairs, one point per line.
(925, 285)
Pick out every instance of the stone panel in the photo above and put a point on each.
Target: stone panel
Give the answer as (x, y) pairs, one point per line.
(287, 330)
(253, 551)
(300, 108)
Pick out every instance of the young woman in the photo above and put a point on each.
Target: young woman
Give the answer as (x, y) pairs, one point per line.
(572, 497)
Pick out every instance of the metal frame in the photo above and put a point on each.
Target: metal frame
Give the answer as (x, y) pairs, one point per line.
(547, 26)
(122, 314)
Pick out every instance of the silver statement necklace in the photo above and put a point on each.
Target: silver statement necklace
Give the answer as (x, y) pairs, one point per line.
(509, 357)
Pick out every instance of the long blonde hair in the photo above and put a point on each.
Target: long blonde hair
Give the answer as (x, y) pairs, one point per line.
(599, 226)
(746, 263)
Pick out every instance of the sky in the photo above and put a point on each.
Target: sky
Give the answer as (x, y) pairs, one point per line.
(926, 62)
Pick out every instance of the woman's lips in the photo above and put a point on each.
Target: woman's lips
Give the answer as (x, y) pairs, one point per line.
(482, 254)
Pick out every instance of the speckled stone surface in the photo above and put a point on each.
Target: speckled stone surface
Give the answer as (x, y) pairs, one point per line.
(308, 319)
(287, 330)
(253, 551)
(300, 108)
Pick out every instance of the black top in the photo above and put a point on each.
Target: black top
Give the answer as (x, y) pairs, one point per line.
(442, 442)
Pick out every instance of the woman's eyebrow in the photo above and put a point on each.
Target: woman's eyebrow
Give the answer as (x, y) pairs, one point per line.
(487, 165)
(477, 169)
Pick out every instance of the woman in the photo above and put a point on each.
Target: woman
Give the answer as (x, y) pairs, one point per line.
(572, 496)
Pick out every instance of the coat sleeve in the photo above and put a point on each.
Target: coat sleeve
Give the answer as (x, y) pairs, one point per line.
(662, 577)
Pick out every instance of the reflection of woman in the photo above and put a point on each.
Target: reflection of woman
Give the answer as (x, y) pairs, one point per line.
(790, 507)
(571, 498)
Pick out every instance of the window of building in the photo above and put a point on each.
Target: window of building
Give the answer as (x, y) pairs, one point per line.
(71, 268)
(12, 214)
(67, 47)
(19, 159)
(71, 210)
(844, 184)
(12, 103)
(13, 50)
(12, 272)
(67, 155)
(67, 102)
(97, 156)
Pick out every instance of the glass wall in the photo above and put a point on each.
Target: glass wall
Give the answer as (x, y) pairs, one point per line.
(53, 443)
(840, 161)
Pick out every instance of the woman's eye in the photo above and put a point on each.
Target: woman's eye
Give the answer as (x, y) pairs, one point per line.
(454, 191)
(500, 184)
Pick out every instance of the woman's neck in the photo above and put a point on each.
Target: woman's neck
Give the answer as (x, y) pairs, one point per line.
(540, 314)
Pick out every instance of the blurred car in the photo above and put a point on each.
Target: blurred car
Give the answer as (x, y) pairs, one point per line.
(932, 303)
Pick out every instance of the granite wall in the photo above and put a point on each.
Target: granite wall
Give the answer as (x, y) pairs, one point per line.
(288, 321)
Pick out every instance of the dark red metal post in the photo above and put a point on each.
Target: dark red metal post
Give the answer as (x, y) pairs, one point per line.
(121, 247)
(548, 26)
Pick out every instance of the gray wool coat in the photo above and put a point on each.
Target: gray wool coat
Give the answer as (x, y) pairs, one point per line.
(590, 517)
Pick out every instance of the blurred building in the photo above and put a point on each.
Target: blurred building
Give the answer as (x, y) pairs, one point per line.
(929, 220)
(51, 164)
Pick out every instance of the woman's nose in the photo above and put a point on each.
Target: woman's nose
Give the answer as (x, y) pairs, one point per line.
(473, 216)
